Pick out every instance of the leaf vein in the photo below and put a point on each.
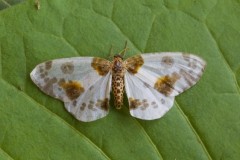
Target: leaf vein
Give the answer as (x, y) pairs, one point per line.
(5, 2)
(194, 130)
(5, 153)
(150, 140)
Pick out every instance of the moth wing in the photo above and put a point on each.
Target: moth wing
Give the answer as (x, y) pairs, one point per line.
(71, 79)
(170, 73)
(145, 102)
(93, 104)
(67, 78)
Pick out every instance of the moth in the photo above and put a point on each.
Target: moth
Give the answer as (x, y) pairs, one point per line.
(151, 82)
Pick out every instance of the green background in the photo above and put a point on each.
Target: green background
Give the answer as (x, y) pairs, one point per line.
(204, 122)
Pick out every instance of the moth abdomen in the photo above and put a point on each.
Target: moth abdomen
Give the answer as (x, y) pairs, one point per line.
(118, 90)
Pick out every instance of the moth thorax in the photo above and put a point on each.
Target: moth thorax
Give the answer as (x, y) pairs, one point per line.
(118, 89)
(118, 67)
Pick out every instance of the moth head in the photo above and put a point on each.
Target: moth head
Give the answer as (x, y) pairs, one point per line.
(116, 56)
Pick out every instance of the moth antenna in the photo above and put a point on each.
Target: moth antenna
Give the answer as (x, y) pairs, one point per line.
(111, 55)
(122, 53)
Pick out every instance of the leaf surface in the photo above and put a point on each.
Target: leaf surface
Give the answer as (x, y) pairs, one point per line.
(204, 122)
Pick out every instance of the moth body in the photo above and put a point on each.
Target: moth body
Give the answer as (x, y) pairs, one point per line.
(118, 71)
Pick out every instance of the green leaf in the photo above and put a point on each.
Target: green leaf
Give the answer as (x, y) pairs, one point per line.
(204, 121)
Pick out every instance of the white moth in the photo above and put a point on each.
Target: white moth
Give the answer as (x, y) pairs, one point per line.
(151, 81)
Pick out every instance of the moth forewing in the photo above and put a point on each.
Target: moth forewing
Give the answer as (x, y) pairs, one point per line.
(170, 73)
(83, 83)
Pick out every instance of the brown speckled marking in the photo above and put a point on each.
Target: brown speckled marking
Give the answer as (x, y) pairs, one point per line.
(103, 104)
(41, 70)
(145, 104)
(48, 65)
(48, 87)
(133, 64)
(67, 68)
(83, 106)
(188, 77)
(46, 79)
(186, 57)
(73, 89)
(167, 61)
(74, 103)
(163, 101)
(42, 75)
(91, 88)
(102, 66)
(192, 64)
(146, 85)
(134, 103)
(118, 89)
(90, 106)
(118, 72)
(61, 81)
(165, 84)
(154, 104)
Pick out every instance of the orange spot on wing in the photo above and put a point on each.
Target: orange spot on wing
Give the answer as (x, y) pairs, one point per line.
(165, 84)
(103, 104)
(73, 89)
(133, 64)
(101, 65)
(134, 103)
